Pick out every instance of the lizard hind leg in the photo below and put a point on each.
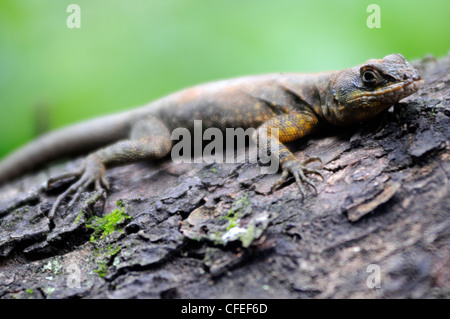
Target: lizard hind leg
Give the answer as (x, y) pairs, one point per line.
(149, 139)
(92, 172)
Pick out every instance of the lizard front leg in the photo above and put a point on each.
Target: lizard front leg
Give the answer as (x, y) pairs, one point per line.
(149, 139)
(289, 127)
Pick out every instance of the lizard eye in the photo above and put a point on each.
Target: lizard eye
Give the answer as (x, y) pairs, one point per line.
(369, 77)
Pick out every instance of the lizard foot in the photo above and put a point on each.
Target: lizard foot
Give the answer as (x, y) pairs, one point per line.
(298, 170)
(92, 172)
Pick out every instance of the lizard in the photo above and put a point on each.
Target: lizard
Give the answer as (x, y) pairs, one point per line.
(295, 104)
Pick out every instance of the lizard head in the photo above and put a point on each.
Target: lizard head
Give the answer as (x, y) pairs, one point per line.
(365, 90)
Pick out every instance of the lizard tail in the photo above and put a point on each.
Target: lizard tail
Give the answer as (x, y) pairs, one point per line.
(75, 139)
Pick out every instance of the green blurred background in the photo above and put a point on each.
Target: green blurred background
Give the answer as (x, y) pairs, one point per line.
(128, 53)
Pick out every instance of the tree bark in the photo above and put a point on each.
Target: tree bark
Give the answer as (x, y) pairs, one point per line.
(378, 227)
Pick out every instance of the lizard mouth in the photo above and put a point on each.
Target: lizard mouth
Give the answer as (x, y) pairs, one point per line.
(399, 89)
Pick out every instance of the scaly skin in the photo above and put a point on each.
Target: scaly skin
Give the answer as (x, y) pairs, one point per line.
(294, 104)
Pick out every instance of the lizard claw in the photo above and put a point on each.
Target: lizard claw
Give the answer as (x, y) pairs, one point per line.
(298, 170)
(281, 180)
(311, 159)
(92, 172)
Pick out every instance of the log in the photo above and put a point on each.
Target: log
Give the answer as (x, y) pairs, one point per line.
(378, 228)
